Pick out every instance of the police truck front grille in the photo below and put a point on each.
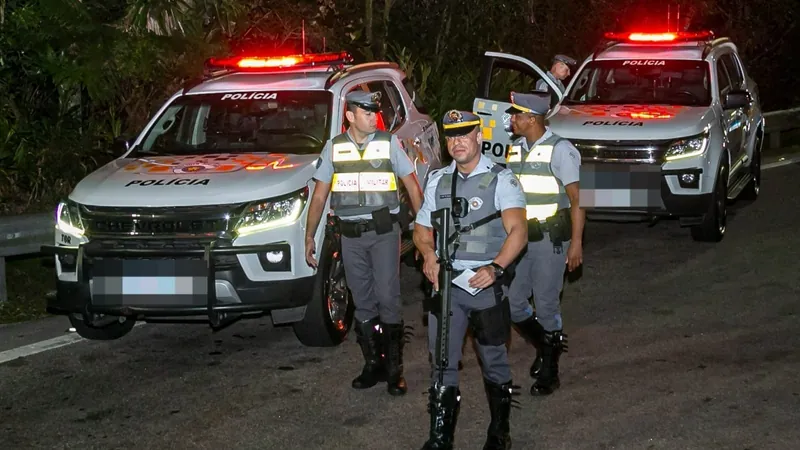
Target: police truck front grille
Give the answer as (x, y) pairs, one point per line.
(174, 221)
(635, 152)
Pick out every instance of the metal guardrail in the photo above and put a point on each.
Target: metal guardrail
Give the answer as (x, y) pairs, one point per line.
(780, 121)
(22, 235)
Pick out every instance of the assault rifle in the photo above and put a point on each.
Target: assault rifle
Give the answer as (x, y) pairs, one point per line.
(441, 221)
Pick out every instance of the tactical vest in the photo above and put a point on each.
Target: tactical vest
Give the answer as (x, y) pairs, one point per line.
(481, 232)
(363, 182)
(544, 193)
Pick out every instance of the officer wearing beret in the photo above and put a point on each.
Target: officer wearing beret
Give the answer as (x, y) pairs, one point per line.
(490, 223)
(360, 168)
(558, 72)
(548, 167)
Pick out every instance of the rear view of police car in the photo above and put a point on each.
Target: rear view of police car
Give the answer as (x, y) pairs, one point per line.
(667, 124)
(203, 215)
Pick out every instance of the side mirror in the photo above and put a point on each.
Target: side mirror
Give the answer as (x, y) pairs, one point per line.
(735, 100)
(119, 146)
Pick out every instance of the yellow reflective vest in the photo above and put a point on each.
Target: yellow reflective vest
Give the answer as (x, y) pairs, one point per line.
(363, 181)
(543, 191)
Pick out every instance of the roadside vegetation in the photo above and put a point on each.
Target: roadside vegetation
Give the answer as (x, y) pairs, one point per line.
(76, 75)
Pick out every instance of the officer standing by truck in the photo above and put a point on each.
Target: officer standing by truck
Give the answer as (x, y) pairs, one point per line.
(488, 209)
(360, 168)
(558, 72)
(548, 167)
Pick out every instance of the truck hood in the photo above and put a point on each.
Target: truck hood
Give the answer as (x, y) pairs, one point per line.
(629, 122)
(194, 179)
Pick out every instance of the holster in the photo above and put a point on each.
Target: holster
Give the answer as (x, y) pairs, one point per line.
(492, 326)
(535, 233)
(382, 219)
(560, 227)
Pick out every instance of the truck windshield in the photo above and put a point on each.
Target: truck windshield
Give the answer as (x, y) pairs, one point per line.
(642, 81)
(242, 122)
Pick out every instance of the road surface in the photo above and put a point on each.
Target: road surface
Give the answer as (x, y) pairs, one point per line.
(673, 344)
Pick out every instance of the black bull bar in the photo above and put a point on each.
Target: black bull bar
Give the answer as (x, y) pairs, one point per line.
(216, 312)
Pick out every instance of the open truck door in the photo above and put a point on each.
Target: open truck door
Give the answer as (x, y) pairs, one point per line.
(502, 73)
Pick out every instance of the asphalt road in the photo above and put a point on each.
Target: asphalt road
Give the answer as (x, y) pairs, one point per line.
(673, 344)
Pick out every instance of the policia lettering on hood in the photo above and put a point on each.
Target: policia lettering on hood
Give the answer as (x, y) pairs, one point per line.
(172, 182)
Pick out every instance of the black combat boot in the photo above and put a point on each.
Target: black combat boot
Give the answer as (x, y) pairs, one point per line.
(532, 331)
(498, 437)
(547, 381)
(393, 341)
(444, 403)
(368, 335)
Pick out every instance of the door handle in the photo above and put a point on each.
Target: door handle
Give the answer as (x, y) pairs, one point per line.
(482, 113)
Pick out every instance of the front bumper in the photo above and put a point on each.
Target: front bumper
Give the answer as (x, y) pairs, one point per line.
(642, 189)
(228, 290)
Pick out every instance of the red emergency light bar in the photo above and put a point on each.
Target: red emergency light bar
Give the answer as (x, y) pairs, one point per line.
(278, 62)
(661, 37)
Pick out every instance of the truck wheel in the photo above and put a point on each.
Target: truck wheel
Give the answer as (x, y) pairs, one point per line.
(329, 314)
(754, 187)
(716, 220)
(113, 329)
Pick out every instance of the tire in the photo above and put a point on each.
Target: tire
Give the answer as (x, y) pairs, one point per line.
(110, 332)
(754, 187)
(715, 222)
(327, 322)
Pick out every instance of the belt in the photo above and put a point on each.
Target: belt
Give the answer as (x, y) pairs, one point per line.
(363, 225)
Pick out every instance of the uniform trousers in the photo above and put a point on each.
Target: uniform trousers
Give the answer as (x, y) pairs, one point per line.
(372, 267)
(494, 358)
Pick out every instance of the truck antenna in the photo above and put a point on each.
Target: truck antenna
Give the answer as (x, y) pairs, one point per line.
(304, 35)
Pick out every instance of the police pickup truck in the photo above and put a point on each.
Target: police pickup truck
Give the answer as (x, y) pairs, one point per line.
(668, 124)
(202, 215)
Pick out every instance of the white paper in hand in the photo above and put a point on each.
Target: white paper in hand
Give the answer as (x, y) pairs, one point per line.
(462, 281)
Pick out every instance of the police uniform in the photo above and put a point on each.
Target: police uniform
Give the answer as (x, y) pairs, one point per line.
(542, 86)
(365, 199)
(543, 167)
(489, 189)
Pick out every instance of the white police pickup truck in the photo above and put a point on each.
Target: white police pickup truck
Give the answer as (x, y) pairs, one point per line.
(668, 124)
(203, 214)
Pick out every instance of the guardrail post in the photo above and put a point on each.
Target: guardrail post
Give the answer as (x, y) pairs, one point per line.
(3, 291)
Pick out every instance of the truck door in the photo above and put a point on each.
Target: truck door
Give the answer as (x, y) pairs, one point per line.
(500, 74)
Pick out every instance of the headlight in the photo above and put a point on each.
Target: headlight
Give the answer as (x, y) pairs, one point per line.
(687, 148)
(273, 213)
(68, 219)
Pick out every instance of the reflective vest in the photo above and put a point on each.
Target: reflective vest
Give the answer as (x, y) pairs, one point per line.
(483, 242)
(544, 193)
(363, 181)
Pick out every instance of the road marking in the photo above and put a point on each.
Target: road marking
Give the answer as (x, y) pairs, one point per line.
(781, 162)
(43, 346)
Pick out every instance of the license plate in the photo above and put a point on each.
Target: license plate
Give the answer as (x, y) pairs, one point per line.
(620, 186)
(150, 283)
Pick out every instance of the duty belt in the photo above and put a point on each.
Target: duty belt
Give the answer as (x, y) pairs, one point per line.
(356, 228)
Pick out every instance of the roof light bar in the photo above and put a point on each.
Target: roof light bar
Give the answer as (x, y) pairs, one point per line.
(278, 62)
(661, 37)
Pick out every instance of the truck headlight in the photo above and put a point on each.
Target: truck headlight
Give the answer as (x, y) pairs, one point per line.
(68, 219)
(688, 147)
(273, 213)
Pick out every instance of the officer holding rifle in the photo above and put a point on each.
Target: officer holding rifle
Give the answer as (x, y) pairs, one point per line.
(477, 210)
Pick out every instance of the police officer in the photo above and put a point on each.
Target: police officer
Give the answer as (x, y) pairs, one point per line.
(548, 167)
(558, 72)
(492, 232)
(360, 168)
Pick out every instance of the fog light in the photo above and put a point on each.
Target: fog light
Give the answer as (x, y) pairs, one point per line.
(688, 178)
(274, 257)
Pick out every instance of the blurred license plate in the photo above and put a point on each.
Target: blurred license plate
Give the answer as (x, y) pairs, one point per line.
(610, 185)
(150, 282)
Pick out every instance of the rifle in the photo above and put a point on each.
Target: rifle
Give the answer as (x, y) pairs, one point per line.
(441, 221)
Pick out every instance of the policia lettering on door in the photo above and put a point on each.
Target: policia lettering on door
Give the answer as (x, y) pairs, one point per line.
(359, 170)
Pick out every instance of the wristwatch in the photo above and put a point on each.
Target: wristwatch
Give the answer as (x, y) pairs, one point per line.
(498, 270)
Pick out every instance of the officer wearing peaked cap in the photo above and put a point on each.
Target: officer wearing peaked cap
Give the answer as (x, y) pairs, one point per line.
(488, 215)
(360, 168)
(558, 72)
(548, 167)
